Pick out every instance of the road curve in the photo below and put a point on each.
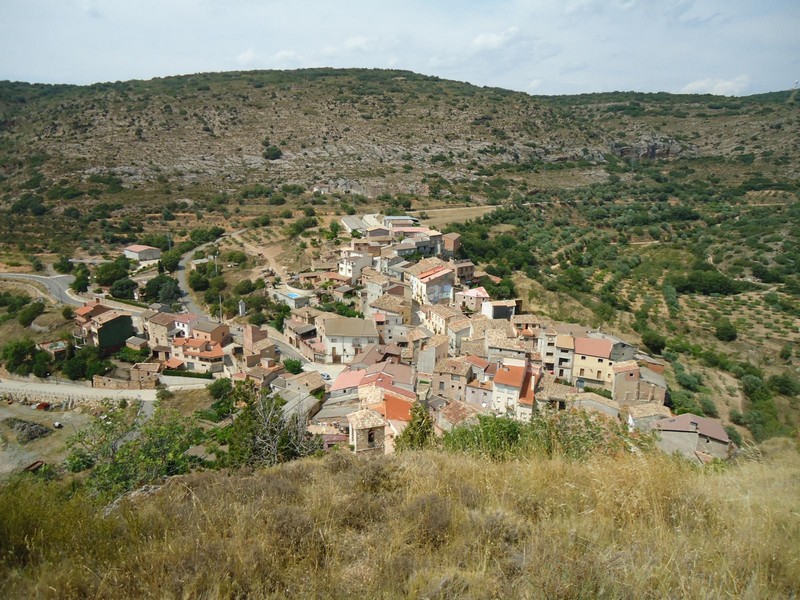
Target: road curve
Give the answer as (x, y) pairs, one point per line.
(57, 285)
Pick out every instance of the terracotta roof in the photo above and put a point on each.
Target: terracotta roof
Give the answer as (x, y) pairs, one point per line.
(689, 423)
(478, 292)
(139, 248)
(510, 376)
(593, 347)
(107, 316)
(394, 408)
(173, 363)
(477, 361)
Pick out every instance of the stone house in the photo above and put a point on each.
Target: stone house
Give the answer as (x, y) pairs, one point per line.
(367, 431)
(633, 384)
(698, 438)
(450, 378)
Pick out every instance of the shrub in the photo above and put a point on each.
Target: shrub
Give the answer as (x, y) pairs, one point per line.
(724, 330)
(654, 341)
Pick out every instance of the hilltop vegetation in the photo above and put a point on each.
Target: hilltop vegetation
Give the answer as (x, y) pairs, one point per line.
(222, 147)
(419, 524)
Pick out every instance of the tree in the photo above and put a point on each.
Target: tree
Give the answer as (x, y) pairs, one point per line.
(262, 435)
(121, 464)
(124, 288)
(293, 365)
(654, 341)
(68, 313)
(171, 259)
(162, 288)
(81, 282)
(19, 355)
(63, 265)
(108, 273)
(724, 330)
(169, 292)
(272, 153)
(27, 315)
(419, 433)
(197, 281)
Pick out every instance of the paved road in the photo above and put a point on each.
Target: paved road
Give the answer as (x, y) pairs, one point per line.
(182, 274)
(64, 390)
(57, 285)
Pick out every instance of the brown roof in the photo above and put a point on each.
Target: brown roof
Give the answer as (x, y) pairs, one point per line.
(457, 412)
(628, 365)
(711, 428)
(453, 366)
(365, 419)
(649, 409)
(350, 327)
(165, 319)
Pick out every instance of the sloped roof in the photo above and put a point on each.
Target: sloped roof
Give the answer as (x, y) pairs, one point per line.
(649, 409)
(456, 412)
(478, 292)
(689, 423)
(593, 347)
(453, 366)
(365, 418)
(510, 376)
(350, 327)
(140, 248)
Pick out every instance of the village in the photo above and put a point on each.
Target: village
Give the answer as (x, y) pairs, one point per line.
(428, 335)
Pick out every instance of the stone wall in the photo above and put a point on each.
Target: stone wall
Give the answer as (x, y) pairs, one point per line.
(145, 381)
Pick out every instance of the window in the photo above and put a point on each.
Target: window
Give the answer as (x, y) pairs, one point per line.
(441, 386)
(600, 360)
(333, 340)
(456, 378)
(583, 358)
(581, 373)
(371, 438)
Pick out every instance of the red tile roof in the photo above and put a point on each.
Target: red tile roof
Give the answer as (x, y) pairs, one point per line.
(510, 376)
(592, 347)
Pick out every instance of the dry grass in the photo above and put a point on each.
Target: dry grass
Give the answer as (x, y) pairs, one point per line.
(430, 525)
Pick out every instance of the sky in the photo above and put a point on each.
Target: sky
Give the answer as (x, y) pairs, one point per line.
(729, 47)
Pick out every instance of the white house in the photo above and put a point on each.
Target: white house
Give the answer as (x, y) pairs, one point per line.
(344, 337)
(141, 252)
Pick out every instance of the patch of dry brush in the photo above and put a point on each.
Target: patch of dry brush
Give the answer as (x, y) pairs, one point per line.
(431, 525)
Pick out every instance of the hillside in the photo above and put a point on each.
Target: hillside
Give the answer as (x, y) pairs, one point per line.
(419, 525)
(126, 150)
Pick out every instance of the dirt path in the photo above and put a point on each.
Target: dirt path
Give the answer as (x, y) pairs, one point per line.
(443, 216)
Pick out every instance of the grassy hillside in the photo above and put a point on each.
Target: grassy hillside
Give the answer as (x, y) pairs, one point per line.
(433, 525)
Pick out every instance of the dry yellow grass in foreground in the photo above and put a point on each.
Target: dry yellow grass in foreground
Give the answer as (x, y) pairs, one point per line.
(431, 525)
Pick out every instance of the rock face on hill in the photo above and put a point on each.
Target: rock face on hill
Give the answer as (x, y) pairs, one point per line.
(362, 130)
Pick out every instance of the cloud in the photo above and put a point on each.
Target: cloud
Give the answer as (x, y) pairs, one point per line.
(247, 57)
(358, 42)
(493, 41)
(534, 84)
(720, 87)
(285, 59)
(91, 9)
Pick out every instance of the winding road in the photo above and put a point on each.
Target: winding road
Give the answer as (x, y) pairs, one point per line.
(57, 285)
